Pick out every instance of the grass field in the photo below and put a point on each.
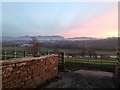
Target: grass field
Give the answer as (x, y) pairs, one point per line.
(72, 64)
(42, 49)
(91, 60)
(20, 51)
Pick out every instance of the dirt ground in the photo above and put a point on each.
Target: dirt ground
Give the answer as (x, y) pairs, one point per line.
(84, 79)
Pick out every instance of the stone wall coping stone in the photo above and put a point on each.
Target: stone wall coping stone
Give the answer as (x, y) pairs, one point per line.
(18, 60)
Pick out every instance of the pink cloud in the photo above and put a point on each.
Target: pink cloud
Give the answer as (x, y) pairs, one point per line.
(104, 25)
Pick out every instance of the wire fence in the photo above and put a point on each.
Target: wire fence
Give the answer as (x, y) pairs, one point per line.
(9, 54)
(65, 62)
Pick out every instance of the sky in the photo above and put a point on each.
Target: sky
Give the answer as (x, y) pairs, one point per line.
(68, 19)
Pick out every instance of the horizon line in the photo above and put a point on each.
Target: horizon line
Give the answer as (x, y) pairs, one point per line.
(63, 36)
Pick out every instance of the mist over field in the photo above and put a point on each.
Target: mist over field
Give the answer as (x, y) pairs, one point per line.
(76, 44)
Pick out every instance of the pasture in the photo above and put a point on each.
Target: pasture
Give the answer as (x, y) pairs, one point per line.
(43, 49)
(72, 64)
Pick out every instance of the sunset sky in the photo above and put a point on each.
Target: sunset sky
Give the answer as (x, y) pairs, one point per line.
(68, 19)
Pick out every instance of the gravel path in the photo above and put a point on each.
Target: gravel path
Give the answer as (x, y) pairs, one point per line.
(84, 79)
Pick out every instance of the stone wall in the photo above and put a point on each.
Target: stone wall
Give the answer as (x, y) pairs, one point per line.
(29, 72)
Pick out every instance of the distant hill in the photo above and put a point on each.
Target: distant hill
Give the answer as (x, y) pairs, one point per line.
(6, 38)
(110, 43)
(83, 38)
(54, 37)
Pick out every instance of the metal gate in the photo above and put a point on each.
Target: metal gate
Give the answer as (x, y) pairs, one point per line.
(61, 62)
(76, 63)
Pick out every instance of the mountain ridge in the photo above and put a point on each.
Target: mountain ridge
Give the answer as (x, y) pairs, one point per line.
(52, 37)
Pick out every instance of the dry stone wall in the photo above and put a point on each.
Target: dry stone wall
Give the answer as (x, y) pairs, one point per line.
(29, 72)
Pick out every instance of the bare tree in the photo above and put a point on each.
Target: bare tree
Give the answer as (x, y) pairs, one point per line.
(92, 53)
(83, 51)
(35, 47)
(56, 51)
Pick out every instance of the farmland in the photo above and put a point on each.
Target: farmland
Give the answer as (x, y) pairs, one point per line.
(74, 58)
(77, 48)
(43, 49)
(87, 63)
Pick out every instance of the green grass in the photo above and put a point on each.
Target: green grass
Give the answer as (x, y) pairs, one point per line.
(20, 51)
(91, 60)
(106, 52)
(15, 48)
(42, 49)
(46, 49)
(61, 50)
(72, 64)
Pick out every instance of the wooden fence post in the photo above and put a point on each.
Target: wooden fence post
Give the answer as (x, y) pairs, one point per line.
(14, 53)
(62, 57)
(4, 54)
(38, 54)
(75, 62)
(101, 65)
(24, 53)
(47, 52)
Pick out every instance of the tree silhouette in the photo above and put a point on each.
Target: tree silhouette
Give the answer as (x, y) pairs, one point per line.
(35, 47)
